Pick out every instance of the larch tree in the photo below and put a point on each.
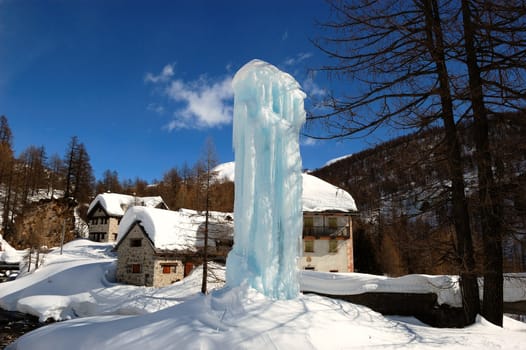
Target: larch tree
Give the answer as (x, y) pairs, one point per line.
(207, 164)
(170, 187)
(109, 182)
(6, 171)
(494, 34)
(78, 172)
(397, 51)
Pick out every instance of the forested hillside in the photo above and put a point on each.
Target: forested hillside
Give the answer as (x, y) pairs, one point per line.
(404, 197)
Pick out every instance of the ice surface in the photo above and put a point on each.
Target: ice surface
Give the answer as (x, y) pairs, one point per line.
(268, 115)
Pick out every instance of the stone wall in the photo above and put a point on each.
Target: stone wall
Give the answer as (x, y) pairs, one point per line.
(130, 255)
(150, 269)
(167, 271)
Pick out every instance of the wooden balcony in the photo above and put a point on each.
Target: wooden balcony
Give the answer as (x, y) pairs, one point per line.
(325, 231)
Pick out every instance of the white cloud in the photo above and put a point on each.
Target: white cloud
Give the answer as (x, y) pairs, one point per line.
(154, 107)
(302, 56)
(166, 74)
(312, 89)
(207, 104)
(202, 103)
(308, 141)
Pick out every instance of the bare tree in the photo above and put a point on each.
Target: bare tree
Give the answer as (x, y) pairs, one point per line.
(495, 55)
(55, 166)
(397, 51)
(79, 174)
(109, 182)
(6, 170)
(209, 161)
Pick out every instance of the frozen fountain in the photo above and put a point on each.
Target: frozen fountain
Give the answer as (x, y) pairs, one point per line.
(268, 115)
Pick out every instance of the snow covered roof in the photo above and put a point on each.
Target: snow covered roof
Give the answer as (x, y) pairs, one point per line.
(318, 195)
(177, 230)
(115, 204)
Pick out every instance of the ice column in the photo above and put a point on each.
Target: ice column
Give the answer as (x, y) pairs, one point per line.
(268, 115)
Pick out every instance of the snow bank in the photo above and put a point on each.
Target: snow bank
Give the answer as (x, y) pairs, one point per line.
(81, 283)
(9, 254)
(242, 318)
(106, 315)
(445, 287)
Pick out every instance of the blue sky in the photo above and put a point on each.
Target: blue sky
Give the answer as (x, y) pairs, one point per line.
(143, 84)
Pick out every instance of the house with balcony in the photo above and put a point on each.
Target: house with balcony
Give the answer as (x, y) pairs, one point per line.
(327, 227)
(327, 241)
(107, 209)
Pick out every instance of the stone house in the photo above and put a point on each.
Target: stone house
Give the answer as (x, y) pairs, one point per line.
(106, 210)
(327, 227)
(159, 247)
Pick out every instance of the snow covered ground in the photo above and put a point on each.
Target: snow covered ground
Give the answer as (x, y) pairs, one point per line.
(9, 254)
(79, 285)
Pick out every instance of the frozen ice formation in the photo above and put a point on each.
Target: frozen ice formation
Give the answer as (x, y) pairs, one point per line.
(268, 115)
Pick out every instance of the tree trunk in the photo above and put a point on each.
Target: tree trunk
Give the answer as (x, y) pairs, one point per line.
(205, 247)
(466, 261)
(490, 217)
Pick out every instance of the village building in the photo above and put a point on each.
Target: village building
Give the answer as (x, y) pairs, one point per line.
(159, 247)
(327, 242)
(107, 209)
(327, 227)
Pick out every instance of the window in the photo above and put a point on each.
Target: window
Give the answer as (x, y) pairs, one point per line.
(333, 246)
(98, 236)
(333, 222)
(135, 242)
(169, 268)
(136, 268)
(309, 245)
(308, 222)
